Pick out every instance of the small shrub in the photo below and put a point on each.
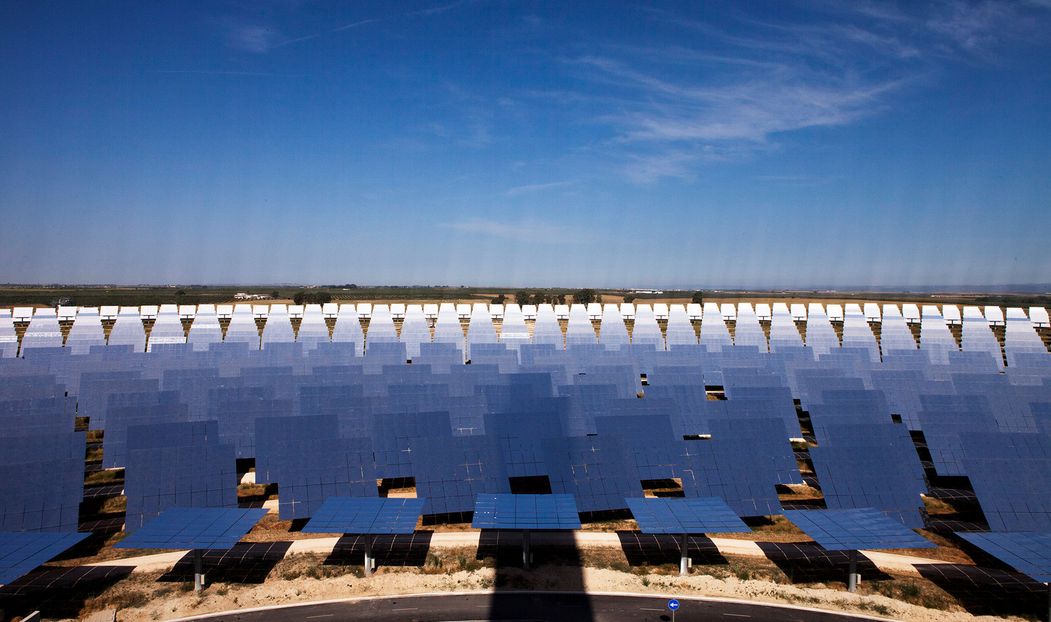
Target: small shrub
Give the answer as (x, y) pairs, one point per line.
(911, 592)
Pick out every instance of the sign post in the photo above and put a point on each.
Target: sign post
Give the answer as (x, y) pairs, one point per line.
(673, 605)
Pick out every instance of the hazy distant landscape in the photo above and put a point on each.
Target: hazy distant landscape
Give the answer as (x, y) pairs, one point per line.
(96, 296)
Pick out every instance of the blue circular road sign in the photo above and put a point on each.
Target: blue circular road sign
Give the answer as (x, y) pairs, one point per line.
(673, 604)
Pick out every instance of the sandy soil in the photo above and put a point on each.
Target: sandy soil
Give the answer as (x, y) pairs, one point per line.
(290, 582)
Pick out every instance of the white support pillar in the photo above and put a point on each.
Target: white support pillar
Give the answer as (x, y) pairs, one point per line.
(370, 562)
(526, 555)
(854, 579)
(198, 570)
(684, 549)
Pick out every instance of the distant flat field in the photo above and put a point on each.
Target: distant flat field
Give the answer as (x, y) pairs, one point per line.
(150, 295)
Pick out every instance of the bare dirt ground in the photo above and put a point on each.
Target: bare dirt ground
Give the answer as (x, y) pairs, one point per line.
(307, 577)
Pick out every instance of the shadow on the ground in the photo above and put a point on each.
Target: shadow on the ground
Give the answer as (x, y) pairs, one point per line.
(58, 593)
(657, 549)
(989, 591)
(393, 550)
(247, 562)
(807, 563)
(554, 566)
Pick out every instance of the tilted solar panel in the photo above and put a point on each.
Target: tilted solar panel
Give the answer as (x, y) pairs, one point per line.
(505, 511)
(86, 331)
(1028, 553)
(731, 469)
(194, 528)
(381, 328)
(364, 515)
(348, 328)
(1011, 476)
(43, 331)
(856, 529)
(450, 473)
(278, 327)
(21, 552)
(176, 465)
(414, 331)
(395, 434)
(161, 407)
(597, 470)
(205, 329)
(310, 463)
(481, 329)
(678, 516)
(41, 481)
(859, 467)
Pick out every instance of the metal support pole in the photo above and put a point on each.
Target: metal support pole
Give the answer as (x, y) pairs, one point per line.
(852, 582)
(198, 570)
(525, 549)
(683, 562)
(369, 561)
(1049, 602)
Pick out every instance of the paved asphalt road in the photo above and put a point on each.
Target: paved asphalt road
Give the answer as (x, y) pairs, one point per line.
(521, 607)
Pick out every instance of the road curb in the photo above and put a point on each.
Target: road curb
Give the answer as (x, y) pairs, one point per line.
(710, 599)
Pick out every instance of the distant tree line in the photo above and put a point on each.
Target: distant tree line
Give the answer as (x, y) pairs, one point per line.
(311, 298)
(581, 296)
(539, 298)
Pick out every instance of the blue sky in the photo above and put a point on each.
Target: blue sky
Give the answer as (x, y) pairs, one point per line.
(609, 144)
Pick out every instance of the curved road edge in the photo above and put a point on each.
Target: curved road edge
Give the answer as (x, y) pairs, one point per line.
(501, 594)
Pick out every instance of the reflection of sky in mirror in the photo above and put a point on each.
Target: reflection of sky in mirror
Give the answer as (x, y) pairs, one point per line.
(526, 143)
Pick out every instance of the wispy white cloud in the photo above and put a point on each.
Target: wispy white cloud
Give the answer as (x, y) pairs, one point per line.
(211, 72)
(532, 231)
(979, 27)
(751, 110)
(532, 188)
(253, 38)
(438, 10)
(746, 83)
(645, 169)
(955, 27)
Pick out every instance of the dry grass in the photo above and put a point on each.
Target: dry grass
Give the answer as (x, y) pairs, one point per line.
(937, 506)
(913, 591)
(107, 476)
(106, 553)
(305, 577)
(800, 492)
(446, 527)
(312, 566)
(257, 491)
(114, 505)
(771, 529)
(743, 569)
(947, 550)
(454, 560)
(136, 590)
(607, 526)
(271, 529)
(402, 493)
